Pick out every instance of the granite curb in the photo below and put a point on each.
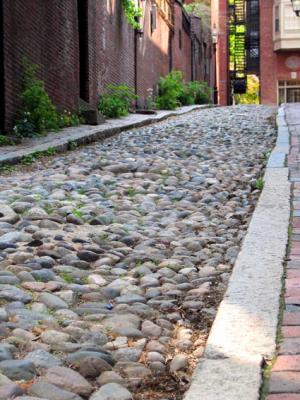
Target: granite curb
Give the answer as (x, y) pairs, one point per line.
(244, 331)
(86, 134)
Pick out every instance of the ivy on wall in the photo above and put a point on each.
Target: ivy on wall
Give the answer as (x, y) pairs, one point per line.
(132, 13)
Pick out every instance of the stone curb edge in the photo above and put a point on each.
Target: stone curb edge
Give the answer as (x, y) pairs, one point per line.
(98, 133)
(244, 330)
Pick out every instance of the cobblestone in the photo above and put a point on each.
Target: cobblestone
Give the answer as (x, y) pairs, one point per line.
(119, 253)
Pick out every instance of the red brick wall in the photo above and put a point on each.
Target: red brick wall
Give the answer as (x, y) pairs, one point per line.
(285, 64)
(46, 33)
(153, 52)
(274, 66)
(268, 63)
(111, 47)
(182, 55)
(219, 20)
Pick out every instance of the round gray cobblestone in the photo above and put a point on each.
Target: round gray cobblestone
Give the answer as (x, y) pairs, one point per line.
(114, 257)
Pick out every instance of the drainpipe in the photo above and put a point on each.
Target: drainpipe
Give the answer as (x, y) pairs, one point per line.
(2, 87)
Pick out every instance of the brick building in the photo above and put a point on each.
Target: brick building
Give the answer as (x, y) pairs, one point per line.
(81, 46)
(271, 48)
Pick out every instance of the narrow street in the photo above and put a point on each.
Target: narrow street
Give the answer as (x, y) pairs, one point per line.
(114, 257)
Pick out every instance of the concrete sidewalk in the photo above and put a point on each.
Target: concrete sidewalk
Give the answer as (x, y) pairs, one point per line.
(84, 134)
(243, 335)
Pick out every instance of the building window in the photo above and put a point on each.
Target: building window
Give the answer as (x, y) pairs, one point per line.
(153, 18)
(289, 91)
(180, 39)
(277, 19)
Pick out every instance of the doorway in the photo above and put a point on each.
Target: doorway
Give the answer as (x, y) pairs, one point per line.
(82, 9)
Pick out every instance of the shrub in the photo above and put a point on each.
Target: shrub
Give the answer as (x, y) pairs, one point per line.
(170, 90)
(117, 101)
(202, 92)
(189, 92)
(173, 92)
(6, 141)
(68, 118)
(38, 114)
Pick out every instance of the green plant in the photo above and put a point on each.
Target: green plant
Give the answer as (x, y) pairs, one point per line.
(68, 118)
(49, 152)
(195, 92)
(6, 141)
(173, 92)
(72, 145)
(31, 158)
(259, 184)
(131, 192)
(77, 213)
(38, 114)
(170, 90)
(132, 13)
(5, 168)
(117, 101)
(200, 9)
(203, 93)
(67, 277)
(187, 97)
(28, 159)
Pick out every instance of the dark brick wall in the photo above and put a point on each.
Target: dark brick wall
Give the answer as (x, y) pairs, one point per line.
(46, 33)
(181, 44)
(202, 53)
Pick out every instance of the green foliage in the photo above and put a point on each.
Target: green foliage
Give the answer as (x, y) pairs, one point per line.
(131, 192)
(201, 9)
(259, 184)
(77, 213)
(72, 145)
(117, 101)
(170, 91)
(31, 158)
(67, 277)
(132, 13)
(173, 92)
(6, 141)
(6, 168)
(187, 96)
(252, 94)
(39, 115)
(195, 92)
(68, 118)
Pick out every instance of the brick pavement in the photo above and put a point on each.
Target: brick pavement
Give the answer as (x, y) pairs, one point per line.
(284, 382)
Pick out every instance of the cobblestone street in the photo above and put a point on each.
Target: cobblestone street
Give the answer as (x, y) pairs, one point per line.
(114, 257)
